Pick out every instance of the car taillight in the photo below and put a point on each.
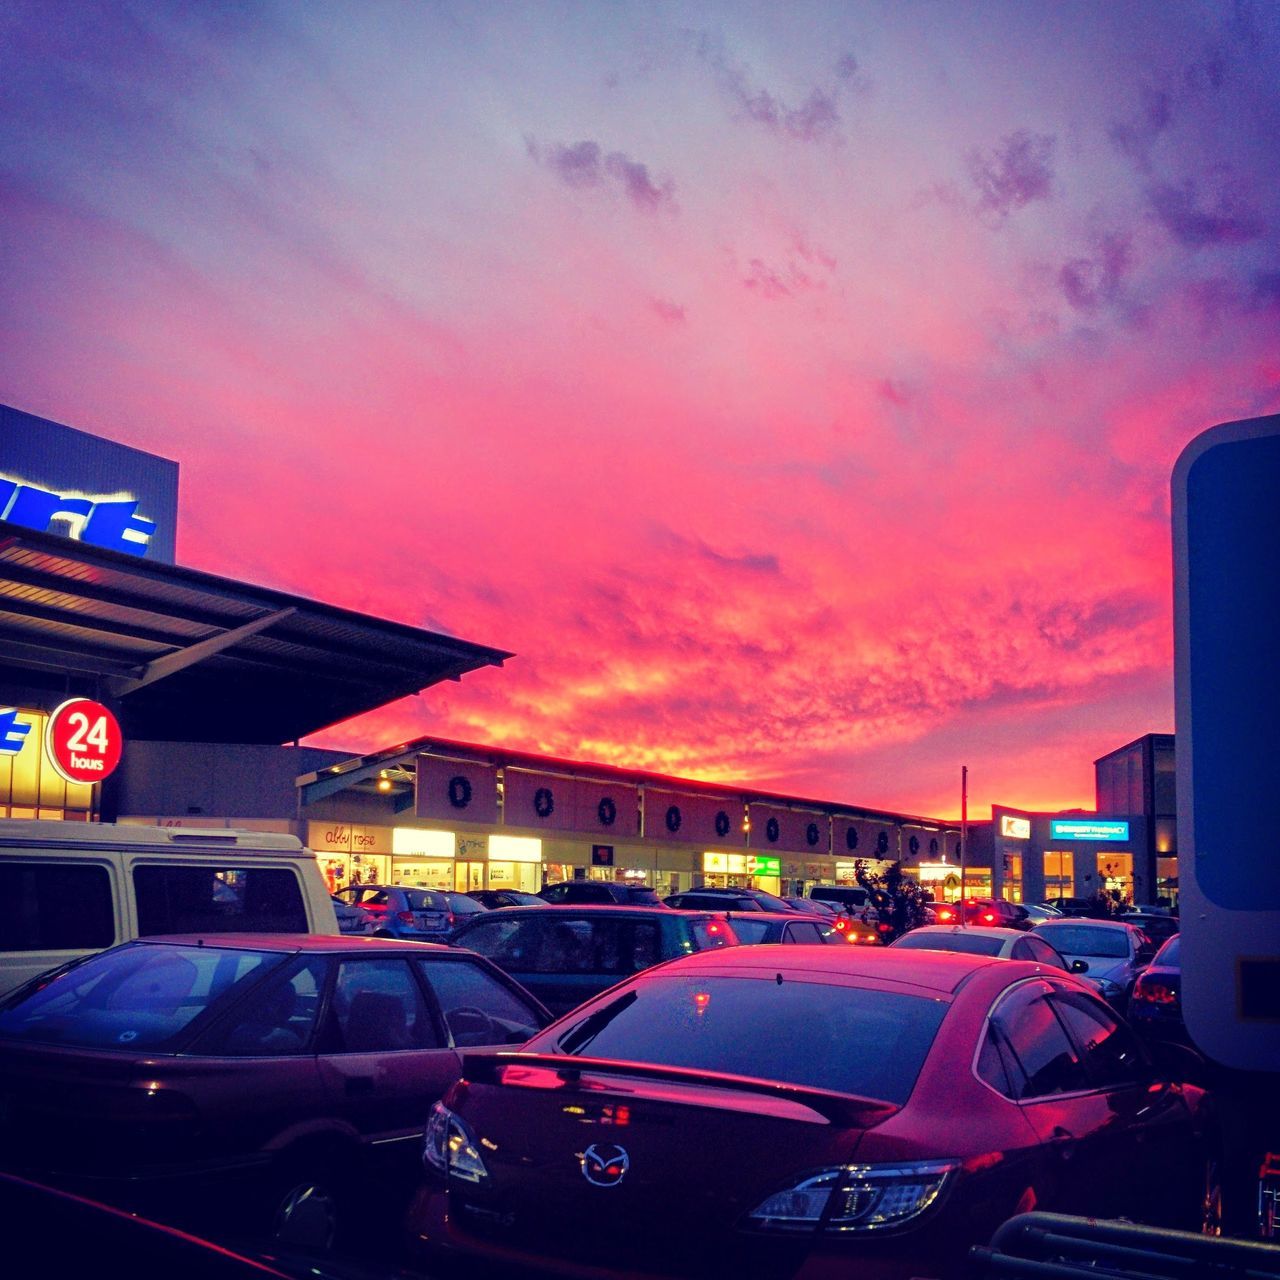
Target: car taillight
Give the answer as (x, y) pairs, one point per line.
(841, 923)
(450, 920)
(449, 1148)
(945, 915)
(1153, 991)
(854, 1198)
(405, 917)
(988, 917)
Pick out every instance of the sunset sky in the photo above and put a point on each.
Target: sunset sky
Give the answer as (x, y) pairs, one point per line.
(794, 388)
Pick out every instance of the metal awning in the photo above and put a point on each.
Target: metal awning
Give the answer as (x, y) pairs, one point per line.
(188, 656)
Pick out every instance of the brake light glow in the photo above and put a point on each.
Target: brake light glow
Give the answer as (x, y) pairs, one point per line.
(405, 917)
(1153, 992)
(700, 1001)
(854, 1198)
(945, 914)
(988, 917)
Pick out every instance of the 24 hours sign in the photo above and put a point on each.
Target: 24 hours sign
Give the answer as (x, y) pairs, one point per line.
(83, 740)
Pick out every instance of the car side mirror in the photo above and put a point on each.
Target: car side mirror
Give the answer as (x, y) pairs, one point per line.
(1079, 966)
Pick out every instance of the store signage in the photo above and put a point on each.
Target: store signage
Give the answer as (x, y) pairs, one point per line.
(108, 520)
(343, 837)
(1016, 828)
(758, 865)
(1063, 829)
(602, 855)
(13, 734)
(83, 740)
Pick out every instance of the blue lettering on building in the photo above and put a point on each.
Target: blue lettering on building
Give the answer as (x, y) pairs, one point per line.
(108, 522)
(12, 734)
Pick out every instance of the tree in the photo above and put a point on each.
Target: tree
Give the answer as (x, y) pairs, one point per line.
(899, 901)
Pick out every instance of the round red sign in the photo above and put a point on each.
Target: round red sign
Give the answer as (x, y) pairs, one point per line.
(83, 740)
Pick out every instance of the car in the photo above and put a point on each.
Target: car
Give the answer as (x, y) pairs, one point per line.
(254, 1078)
(495, 899)
(943, 912)
(353, 919)
(415, 915)
(72, 888)
(815, 906)
(888, 1109)
(566, 955)
(602, 892)
(1038, 913)
(791, 927)
(1009, 944)
(1094, 908)
(1114, 952)
(1158, 927)
(999, 913)
(851, 899)
(1155, 1007)
(770, 926)
(728, 899)
(462, 905)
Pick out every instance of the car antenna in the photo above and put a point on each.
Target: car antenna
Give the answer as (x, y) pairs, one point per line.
(779, 977)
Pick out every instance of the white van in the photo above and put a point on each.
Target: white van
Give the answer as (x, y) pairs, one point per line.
(68, 889)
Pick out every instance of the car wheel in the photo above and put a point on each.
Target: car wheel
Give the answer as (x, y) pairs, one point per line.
(306, 1205)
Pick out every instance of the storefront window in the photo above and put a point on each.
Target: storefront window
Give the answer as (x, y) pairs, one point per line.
(1115, 871)
(1059, 875)
(423, 873)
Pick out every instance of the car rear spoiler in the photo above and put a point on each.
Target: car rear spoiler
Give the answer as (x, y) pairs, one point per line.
(556, 1070)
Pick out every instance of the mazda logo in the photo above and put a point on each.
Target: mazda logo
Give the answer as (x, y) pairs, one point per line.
(604, 1165)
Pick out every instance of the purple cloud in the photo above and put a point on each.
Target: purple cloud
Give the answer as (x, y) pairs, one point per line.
(671, 312)
(814, 120)
(1088, 282)
(1135, 138)
(1195, 223)
(1017, 172)
(585, 164)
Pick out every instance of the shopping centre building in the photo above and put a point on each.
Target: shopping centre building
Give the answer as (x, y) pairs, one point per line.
(214, 682)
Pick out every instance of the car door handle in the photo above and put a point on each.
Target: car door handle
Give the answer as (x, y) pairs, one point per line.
(1065, 1142)
(359, 1086)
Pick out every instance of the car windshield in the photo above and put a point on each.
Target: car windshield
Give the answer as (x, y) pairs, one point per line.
(1087, 940)
(973, 943)
(134, 997)
(852, 1040)
(1170, 953)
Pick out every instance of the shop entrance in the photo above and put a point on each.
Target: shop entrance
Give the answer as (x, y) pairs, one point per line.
(468, 876)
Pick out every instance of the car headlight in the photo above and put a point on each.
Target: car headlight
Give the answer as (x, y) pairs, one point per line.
(1109, 989)
(855, 1198)
(449, 1148)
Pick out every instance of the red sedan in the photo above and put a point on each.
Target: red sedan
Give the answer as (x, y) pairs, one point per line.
(804, 1111)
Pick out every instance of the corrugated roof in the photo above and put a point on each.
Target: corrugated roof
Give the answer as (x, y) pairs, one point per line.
(194, 657)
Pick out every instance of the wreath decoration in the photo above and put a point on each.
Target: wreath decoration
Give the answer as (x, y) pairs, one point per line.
(811, 834)
(914, 844)
(607, 812)
(771, 830)
(722, 824)
(673, 818)
(851, 838)
(933, 845)
(544, 803)
(882, 842)
(459, 791)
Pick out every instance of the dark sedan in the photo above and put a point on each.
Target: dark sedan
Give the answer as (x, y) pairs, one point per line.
(1155, 1007)
(888, 1109)
(566, 955)
(276, 1073)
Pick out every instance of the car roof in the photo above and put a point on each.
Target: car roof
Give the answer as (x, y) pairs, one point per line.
(938, 972)
(288, 943)
(642, 910)
(1076, 922)
(782, 917)
(937, 929)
